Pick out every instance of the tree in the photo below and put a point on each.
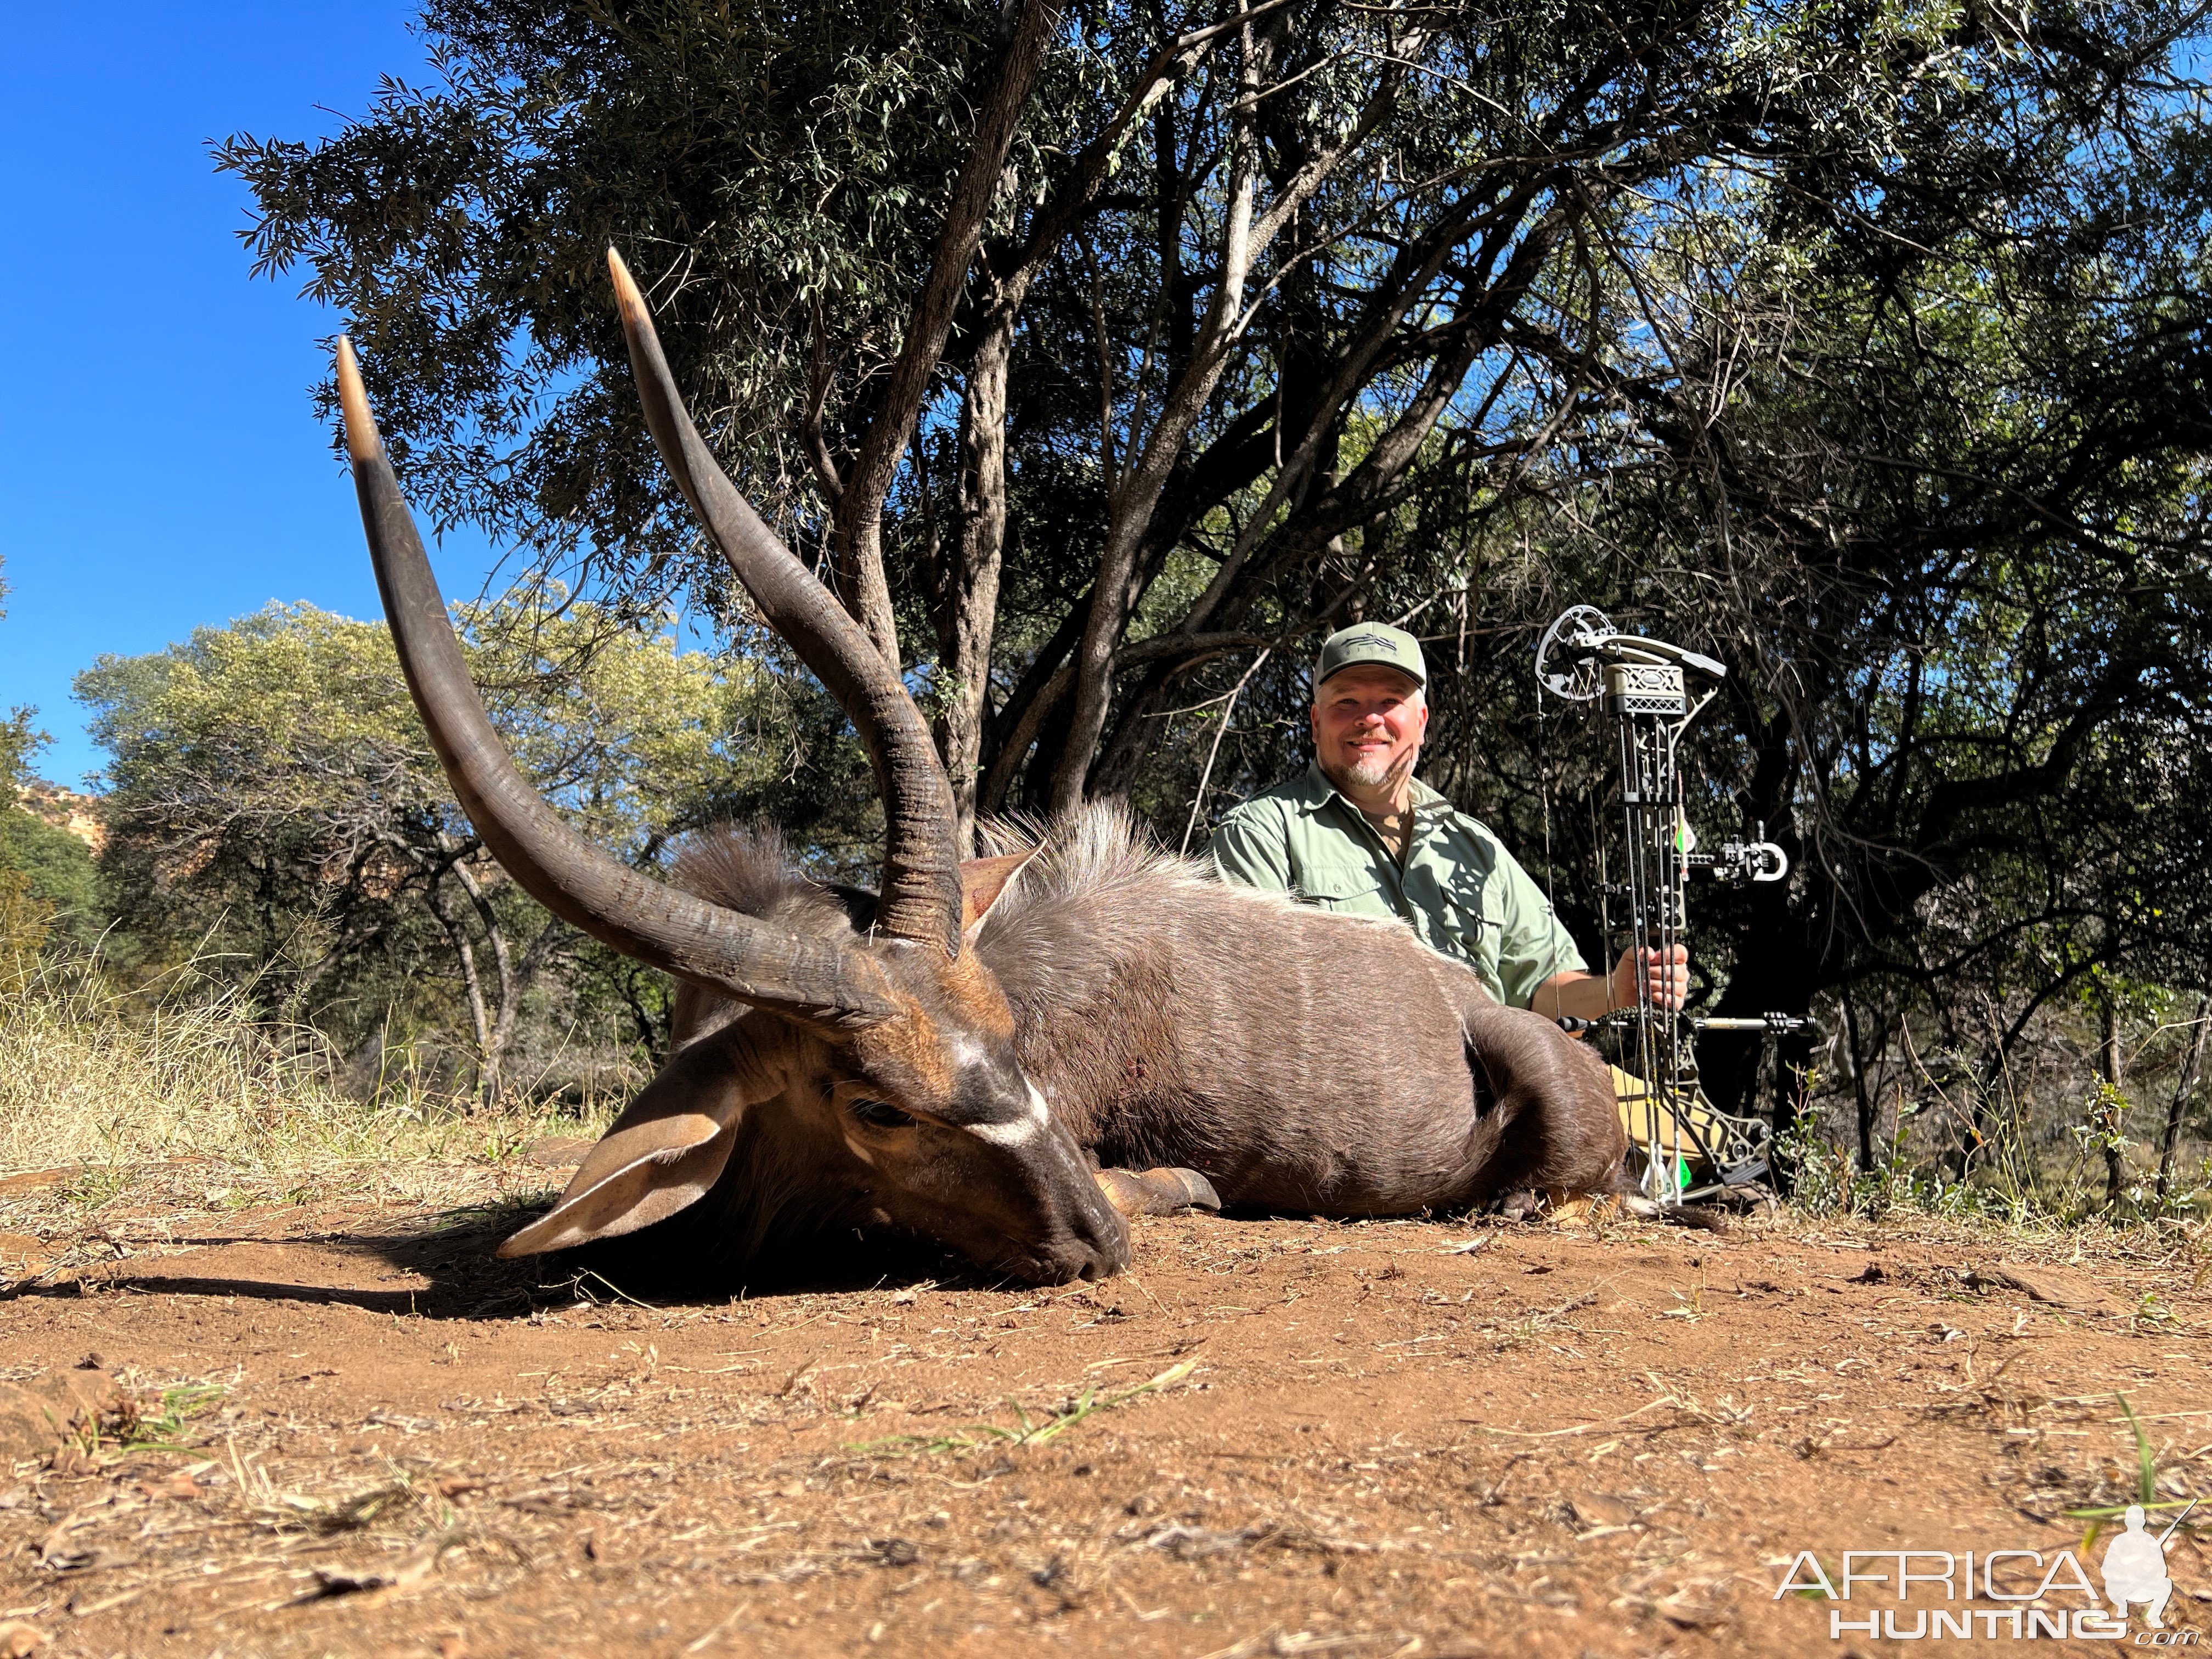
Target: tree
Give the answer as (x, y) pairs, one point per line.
(26, 917)
(1252, 287)
(273, 799)
(1938, 461)
(1858, 346)
(48, 888)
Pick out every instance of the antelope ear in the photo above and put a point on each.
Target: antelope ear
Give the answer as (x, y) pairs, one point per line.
(981, 881)
(669, 1147)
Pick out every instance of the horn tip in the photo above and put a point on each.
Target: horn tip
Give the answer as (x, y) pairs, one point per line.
(526, 1241)
(626, 291)
(362, 440)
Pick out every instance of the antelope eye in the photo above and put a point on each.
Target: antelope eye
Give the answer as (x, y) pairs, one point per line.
(880, 1114)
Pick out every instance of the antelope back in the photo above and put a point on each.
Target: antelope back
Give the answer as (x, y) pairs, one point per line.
(1301, 1061)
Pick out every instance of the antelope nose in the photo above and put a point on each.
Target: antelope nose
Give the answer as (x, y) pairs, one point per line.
(1095, 1241)
(1106, 1243)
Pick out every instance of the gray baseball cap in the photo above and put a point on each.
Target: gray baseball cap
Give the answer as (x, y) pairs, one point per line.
(1372, 642)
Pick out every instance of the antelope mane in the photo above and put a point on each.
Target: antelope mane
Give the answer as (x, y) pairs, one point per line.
(750, 869)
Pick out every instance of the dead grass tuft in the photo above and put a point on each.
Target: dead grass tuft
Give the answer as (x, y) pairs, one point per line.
(111, 1084)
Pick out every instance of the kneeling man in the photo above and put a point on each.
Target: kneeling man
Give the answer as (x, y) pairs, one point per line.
(1359, 832)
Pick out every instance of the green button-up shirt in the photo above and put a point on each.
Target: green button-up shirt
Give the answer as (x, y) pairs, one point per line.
(1459, 890)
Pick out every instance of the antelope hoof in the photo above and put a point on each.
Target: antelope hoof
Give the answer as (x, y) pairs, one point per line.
(1158, 1192)
(1195, 1191)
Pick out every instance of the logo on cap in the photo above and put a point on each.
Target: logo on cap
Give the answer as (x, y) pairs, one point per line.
(1373, 642)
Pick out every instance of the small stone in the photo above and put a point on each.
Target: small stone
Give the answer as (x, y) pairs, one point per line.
(1689, 1612)
(2054, 1286)
(19, 1640)
(1594, 1509)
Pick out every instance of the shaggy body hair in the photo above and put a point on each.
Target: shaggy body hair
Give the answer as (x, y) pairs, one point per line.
(1304, 1061)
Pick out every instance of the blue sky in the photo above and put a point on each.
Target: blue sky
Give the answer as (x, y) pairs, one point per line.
(161, 467)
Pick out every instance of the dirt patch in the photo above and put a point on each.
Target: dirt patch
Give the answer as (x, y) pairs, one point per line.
(353, 1432)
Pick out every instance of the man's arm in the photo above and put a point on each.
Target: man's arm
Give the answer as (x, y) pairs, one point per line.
(1592, 996)
(1535, 950)
(1540, 968)
(1252, 848)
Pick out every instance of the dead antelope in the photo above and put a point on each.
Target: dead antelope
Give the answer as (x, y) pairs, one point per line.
(955, 1058)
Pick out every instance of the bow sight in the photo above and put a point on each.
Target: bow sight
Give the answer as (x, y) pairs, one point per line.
(1650, 691)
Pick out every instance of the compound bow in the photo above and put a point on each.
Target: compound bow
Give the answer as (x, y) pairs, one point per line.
(1645, 689)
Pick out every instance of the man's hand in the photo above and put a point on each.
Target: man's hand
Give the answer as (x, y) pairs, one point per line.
(1587, 996)
(1667, 974)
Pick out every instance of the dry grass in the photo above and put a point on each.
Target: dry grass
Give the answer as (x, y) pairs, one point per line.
(93, 1078)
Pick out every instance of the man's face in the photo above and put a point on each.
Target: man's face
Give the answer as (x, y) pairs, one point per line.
(1368, 723)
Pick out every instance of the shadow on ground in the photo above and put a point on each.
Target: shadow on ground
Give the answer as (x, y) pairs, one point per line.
(445, 1266)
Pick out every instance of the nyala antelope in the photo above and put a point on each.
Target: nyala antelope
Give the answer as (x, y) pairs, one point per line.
(1006, 1055)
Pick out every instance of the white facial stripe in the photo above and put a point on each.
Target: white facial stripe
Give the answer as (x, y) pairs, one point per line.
(1022, 1130)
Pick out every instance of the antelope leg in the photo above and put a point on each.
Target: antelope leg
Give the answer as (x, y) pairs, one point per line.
(1157, 1192)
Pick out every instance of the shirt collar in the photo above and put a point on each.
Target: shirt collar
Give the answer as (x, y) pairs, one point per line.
(1315, 792)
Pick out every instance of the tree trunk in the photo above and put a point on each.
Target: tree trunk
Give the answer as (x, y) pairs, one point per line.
(1130, 505)
(860, 519)
(1022, 718)
(471, 981)
(2108, 1116)
(493, 1043)
(2184, 1089)
(971, 598)
(1149, 458)
(1859, 1083)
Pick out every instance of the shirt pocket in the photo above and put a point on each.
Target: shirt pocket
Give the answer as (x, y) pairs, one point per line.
(1354, 888)
(1473, 915)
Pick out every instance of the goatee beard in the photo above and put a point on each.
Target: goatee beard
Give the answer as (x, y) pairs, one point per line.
(1369, 771)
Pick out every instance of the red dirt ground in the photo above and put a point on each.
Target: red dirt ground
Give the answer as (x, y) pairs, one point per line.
(1371, 1439)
